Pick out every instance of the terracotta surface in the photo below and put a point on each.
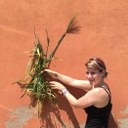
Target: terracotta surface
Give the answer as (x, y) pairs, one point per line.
(104, 29)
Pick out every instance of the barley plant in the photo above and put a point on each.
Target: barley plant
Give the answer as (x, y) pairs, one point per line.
(36, 84)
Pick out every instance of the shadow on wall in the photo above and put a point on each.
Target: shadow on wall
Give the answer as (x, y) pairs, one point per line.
(112, 122)
(51, 116)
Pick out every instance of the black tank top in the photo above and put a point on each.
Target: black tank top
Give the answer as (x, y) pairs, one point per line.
(98, 117)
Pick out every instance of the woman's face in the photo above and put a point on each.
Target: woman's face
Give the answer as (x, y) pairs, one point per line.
(94, 76)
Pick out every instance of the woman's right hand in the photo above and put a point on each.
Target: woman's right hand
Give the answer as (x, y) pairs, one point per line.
(51, 73)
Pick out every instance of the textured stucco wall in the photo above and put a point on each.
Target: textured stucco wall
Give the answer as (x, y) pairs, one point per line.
(104, 29)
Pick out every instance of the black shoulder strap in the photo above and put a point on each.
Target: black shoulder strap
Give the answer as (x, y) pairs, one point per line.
(107, 90)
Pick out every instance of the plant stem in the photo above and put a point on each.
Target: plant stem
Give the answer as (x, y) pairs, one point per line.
(53, 52)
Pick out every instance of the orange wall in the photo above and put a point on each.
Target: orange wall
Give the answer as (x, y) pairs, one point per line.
(104, 29)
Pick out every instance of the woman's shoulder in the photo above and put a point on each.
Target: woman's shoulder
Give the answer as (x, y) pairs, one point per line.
(101, 91)
(103, 96)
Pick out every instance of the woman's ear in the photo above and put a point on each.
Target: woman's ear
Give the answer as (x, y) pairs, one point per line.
(104, 73)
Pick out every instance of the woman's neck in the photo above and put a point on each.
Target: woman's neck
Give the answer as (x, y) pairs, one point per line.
(101, 83)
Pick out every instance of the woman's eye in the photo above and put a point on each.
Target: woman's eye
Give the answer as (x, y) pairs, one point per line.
(87, 73)
(91, 73)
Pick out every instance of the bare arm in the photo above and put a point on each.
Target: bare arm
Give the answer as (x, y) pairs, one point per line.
(96, 97)
(82, 84)
(87, 100)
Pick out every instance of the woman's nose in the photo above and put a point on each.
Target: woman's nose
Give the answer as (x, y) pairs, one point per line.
(89, 75)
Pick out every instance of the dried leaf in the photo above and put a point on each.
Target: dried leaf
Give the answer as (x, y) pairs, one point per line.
(24, 93)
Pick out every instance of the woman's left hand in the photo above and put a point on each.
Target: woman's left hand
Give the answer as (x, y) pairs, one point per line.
(57, 85)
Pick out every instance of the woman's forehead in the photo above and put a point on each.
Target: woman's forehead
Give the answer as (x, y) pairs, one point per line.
(92, 69)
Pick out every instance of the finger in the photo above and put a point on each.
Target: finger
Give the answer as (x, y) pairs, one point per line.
(46, 70)
(54, 87)
(60, 92)
(53, 82)
(43, 72)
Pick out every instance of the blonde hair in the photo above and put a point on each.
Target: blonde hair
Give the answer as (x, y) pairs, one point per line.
(98, 64)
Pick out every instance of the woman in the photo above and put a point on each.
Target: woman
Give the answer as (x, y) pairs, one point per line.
(97, 99)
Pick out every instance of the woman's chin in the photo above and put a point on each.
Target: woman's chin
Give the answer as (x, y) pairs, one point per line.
(92, 82)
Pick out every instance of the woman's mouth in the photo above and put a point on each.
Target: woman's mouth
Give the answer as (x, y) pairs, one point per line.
(92, 81)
